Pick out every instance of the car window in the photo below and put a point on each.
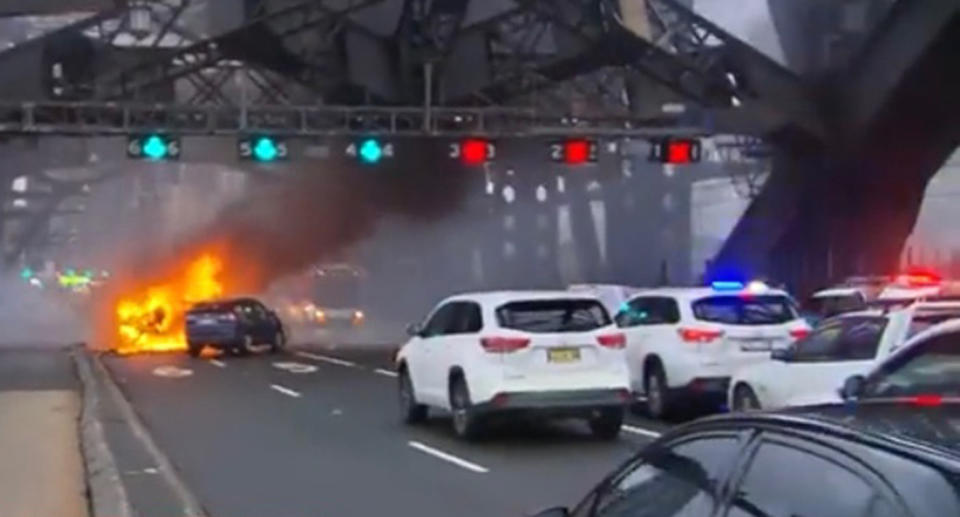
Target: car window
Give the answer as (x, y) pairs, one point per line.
(553, 315)
(681, 481)
(784, 481)
(928, 367)
(745, 310)
(847, 339)
(466, 319)
(441, 320)
(649, 310)
(921, 322)
(822, 342)
(828, 306)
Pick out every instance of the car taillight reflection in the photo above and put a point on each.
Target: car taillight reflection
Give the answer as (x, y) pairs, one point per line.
(503, 345)
(615, 341)
(699, 335)
(799, 333)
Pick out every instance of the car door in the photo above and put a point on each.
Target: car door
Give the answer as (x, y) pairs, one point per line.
(423, 360)
(820, 481)
(684, 478)
(648, 322)
(460, 338)
(263, 324)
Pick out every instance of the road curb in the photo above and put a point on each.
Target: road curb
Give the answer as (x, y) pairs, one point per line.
(106, 493)
(189, 503)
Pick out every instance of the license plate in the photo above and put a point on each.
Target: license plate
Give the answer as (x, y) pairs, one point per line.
(563, 355)
(757, 345)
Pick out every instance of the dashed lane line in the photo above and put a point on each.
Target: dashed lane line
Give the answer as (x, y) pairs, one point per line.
(641, 431)
(386, 373)
(286, 391)
(218, 363)
(450, 458)
(331, 360)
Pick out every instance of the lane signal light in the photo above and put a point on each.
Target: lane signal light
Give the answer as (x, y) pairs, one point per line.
(262, 149)
(153, 147)
(370, 150)
(575, 151)
(676, 151)
(473, 151)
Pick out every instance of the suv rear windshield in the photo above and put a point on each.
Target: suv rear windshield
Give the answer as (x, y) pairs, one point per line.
(745, 310)
(553, 315)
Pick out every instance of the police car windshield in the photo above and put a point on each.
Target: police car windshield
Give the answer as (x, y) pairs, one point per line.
(930, 367)
(745, 310)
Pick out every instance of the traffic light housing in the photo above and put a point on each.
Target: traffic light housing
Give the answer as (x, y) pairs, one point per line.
(370, 151)
(574, 151)
(153, 147)
(676, 151)
(473, 151)
(262, 148)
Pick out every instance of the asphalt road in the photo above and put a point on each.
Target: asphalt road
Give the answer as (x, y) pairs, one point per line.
(321, 437)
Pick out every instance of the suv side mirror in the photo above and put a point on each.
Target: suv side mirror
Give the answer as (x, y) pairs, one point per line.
(414, 329)
(852, 387)
(553, 512)
(781, 354)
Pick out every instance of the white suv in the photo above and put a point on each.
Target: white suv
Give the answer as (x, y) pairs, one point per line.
(549, 353)
(688, 342)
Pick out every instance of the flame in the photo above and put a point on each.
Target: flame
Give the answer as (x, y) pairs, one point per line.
(151, 318)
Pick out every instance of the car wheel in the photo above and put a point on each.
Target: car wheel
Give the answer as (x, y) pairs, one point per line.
(279, 342)
(657, 392)
(194, 349)
(744, 399)
(466, 422)
(243, 348)
(410, 411)
(606, 425)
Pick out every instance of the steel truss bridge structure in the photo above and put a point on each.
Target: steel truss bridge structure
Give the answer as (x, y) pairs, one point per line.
(524, 67)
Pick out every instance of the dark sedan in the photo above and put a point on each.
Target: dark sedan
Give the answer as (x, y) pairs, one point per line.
(236, 325)
(862, 460)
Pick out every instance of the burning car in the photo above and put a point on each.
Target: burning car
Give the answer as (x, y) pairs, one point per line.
(236, 325)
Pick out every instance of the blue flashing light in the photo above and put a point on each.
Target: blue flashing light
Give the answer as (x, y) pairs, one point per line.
(371, 151)
(727, 285)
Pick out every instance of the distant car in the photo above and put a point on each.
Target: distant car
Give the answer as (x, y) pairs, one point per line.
(846, 345)
(684, 344)
(538, 353)
(828, 303)
(236, 325)
(869, 460)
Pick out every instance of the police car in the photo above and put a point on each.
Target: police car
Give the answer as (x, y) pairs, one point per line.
(684, 342)
(812, 368)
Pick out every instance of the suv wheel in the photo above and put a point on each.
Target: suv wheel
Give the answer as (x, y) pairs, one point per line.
(744, 399)
(606, 425)
(466, 422)
(657, 392)
(279, 342)
(243, 348)
(410, 411)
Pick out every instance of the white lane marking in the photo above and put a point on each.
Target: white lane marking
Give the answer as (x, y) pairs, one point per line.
(331, 360)
(293, 367)
(460, 462)
(387, 373)
(286, 391)
(218, 363)
(172, 371)
(641, 431)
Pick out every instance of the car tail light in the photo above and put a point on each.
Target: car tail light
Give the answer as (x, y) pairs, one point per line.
(615, 341)
(799, 333)
(504, 345)
(699, 335)
(926, 400)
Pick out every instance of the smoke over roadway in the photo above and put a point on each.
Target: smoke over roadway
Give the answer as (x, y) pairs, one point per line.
(284, 224)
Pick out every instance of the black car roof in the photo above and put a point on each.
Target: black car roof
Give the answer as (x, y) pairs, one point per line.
(933, 432)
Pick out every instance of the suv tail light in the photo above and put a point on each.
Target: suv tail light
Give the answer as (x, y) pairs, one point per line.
(503, 345)
(615, 341)
(699, 335)
(799, 333)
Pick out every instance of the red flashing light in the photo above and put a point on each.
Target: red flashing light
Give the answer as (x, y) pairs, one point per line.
(474, 151)
(918, 278)
(503, 345)
(614, 341)
(926, 400)
(799, 333)
(695, 335)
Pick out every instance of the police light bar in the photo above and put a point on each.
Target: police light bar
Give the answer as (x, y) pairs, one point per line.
(727, 285)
